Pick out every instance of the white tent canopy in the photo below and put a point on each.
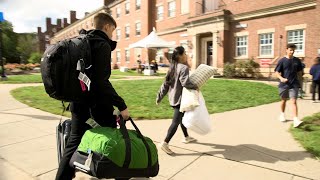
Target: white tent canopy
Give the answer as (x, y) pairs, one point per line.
(152, 41)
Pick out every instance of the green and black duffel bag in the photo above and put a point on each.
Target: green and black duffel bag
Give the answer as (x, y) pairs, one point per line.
(106, 152)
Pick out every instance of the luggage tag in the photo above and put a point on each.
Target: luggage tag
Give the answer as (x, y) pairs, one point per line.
(84, 79)
(89, 160)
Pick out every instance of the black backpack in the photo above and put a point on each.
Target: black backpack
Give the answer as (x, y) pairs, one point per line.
(66, 69)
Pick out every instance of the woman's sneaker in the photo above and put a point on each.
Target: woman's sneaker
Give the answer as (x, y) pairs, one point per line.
(165, 147)
(188, 140)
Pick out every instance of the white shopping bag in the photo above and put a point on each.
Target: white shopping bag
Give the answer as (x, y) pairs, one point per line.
(198, 120)
(189, 99)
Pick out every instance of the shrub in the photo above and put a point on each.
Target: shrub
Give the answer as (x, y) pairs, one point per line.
(35, 58)
(115, 66)
(229, 70)
(242, 68)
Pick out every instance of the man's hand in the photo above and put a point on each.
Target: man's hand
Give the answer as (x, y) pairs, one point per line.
(125, 114)
(283, 80)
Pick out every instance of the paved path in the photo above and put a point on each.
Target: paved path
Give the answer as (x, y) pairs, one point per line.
(245, 144)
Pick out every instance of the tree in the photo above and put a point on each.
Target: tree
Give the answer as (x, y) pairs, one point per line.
(9, 40)
(27, 44)
(35, 57)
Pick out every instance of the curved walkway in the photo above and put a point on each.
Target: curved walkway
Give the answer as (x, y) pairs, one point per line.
(245, 144)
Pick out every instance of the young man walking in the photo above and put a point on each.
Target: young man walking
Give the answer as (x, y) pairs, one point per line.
(287, 71)
(104, 99)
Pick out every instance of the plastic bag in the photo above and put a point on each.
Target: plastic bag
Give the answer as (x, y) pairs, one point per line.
(198, 120)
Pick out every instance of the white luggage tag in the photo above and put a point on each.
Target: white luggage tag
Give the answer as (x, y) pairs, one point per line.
(85, 79)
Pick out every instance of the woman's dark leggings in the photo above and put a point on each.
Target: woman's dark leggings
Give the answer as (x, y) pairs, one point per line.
(177, 119)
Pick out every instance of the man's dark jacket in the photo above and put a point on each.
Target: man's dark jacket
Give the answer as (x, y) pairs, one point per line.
(101, 88)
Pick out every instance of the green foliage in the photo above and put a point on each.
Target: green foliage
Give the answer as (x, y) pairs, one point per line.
(27, 44)
(242, 68)
(10, 41)
(229, 70)
(35, 57)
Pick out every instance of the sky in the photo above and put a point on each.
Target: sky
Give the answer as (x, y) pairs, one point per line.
(27, 15)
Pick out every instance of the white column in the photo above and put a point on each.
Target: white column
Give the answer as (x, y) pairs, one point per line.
(215, 46)
(195, 52)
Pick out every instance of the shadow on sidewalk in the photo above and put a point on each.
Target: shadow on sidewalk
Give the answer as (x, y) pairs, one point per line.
(251, 152)
(34, 116)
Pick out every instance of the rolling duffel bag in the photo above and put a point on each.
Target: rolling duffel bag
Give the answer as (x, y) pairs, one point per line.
(106, 152)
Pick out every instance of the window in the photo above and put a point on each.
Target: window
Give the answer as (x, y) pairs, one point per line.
(184, 6)
(242, 46)
(127, 29)
(159, 12)
(118, 34)
(118, 56)
(138, 4)
(118, 12)
(297, 37)
(127, 5)
(210, 5)
(266, 44)
(138, 28)
(127, 55)
(172, 9)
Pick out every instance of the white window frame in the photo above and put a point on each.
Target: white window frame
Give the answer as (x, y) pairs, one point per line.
(118, 34)
(298, 39)
(266, 40)
(138, 28)
(127, 31)
(127, 8)
(127, 55)
(138, 4)
(160, 12)
(118, 56)
(244, 41)
(172, 9)
(118, 12)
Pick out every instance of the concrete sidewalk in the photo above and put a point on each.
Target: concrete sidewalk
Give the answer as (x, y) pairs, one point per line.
(246, 144)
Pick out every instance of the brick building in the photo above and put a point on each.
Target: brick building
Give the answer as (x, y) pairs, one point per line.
(213, 31)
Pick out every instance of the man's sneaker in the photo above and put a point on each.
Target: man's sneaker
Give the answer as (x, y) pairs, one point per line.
(296, 122)
(188, 139)
(282, 118)
(165, 147)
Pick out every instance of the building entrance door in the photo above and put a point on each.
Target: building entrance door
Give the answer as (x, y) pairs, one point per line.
(209, 53)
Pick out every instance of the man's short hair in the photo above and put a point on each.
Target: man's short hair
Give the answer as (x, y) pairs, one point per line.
(292, 46)
(101, 19)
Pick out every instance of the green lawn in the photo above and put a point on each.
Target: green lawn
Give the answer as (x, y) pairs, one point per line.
(36, 78)
(220, 95)
(309, 134)
(16, 79)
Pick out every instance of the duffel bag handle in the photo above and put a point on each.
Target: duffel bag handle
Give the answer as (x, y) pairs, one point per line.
(126, 137)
